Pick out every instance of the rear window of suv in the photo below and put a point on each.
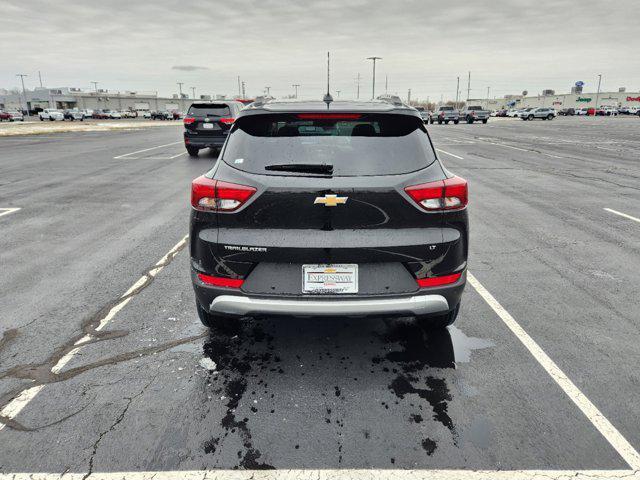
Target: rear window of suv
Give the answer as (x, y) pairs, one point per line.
(210, 110)
(354, 144)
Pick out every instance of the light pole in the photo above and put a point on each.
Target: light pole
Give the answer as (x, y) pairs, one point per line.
(358, 84)
(338, 92)
(373, 86)
(597, 94)
(267, 89)
(95, 86)
(24, 92)
(193, 91)
(457, 91)
(180, 87)
(296, 85)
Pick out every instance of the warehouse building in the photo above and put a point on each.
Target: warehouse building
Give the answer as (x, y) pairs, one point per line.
(564, 100)
(70, 98)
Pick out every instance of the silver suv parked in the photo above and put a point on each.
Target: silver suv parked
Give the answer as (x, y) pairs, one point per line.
(545, 113)
(445, 114)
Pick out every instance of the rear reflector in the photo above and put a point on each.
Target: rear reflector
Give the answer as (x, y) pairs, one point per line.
(435, 281)
(228, 121)
(329, 116)
(188, 120)
(448, 194)
(218, 196)
(220, 281)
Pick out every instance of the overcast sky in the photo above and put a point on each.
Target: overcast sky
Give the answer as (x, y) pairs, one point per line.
(508, 45)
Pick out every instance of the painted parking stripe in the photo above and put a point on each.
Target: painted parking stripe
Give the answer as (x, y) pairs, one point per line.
(615, 212)
(604, 426)
(146, 150)
(15, 406)
(7, 211)
(449, 153)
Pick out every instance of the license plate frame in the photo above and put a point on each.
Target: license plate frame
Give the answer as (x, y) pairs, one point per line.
(207, 126)
(330, 279)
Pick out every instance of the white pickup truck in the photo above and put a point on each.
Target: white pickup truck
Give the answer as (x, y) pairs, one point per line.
(51, 114)
(474, 114)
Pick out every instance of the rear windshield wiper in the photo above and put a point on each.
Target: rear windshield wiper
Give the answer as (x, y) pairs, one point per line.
(321, 168)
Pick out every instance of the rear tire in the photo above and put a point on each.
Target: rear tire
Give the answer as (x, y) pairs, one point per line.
(214, 321)
(193, 151)
(439, 322)
(530, 117)
(439, 122)
(484, 121)
(456, 122)
(446, 122)
(549, 117)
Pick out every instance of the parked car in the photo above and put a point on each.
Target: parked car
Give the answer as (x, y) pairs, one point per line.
(607, 110)
(73, 115)
(161, 115)
(86, 113)
(4, 116)
(51, 114)
(581, 111)
(445, 114)
(567, 112)
(146, 114)
(474, 113)
(278, 226)
(16, 116)
(176, 115)
(207, 124)
(114, 114)
(514, 112)
(544, 113)
(128, 114)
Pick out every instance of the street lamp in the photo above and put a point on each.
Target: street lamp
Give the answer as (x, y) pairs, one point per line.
(373, 87)
(597, 94)
(296, 85)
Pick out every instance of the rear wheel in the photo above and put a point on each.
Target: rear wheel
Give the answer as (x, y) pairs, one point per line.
(446, 122)
(439, 321)
(439, 122)
(484, 121)
(456, 122)
(549, 117)
(214, 321)
(530, 117)
(193, 151)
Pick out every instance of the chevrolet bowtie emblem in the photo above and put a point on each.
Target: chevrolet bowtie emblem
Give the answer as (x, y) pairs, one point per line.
(330, 200)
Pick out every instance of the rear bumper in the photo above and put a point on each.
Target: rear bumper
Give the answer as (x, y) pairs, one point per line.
(203, 141)
(423, 302)
(415, 305)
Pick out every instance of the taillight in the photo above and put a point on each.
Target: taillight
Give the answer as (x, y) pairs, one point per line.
(216, 195)
(188, 120)
(228, 121)
(437, 281)
(220, 281)
(448, 194)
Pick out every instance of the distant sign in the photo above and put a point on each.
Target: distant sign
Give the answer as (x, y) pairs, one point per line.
(579, 83)
(583, 99)
(633, 99)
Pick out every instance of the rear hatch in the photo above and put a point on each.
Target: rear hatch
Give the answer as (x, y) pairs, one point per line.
(327, 189)
(209, 119)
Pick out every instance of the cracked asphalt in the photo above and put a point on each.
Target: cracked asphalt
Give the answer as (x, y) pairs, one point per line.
(155, 391)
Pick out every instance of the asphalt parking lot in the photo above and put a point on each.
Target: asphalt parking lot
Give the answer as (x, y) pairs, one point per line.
(105, 366)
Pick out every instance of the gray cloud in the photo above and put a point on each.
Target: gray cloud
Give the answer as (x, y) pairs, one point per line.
(508, 45)
(188, 68)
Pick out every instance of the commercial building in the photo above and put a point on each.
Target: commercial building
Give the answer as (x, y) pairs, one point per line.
(70, 98)
(564, 100)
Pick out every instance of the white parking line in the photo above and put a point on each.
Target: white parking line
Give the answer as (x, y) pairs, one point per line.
(145, 150)
(611, 210)
(449, 153)
(7, 211)
(608, 431)
(15, 406)
(521, 149)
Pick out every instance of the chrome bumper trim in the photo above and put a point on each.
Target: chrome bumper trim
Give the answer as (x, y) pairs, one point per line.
(415, 305)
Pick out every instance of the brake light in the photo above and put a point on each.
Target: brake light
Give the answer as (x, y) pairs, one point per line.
(436, 281)
(329, 116)
(220, 281)
(227, 121)
(188, 120)
(448, 194)
(218, 196)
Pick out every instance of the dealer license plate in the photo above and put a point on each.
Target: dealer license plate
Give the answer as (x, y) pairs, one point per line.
(337, 278)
